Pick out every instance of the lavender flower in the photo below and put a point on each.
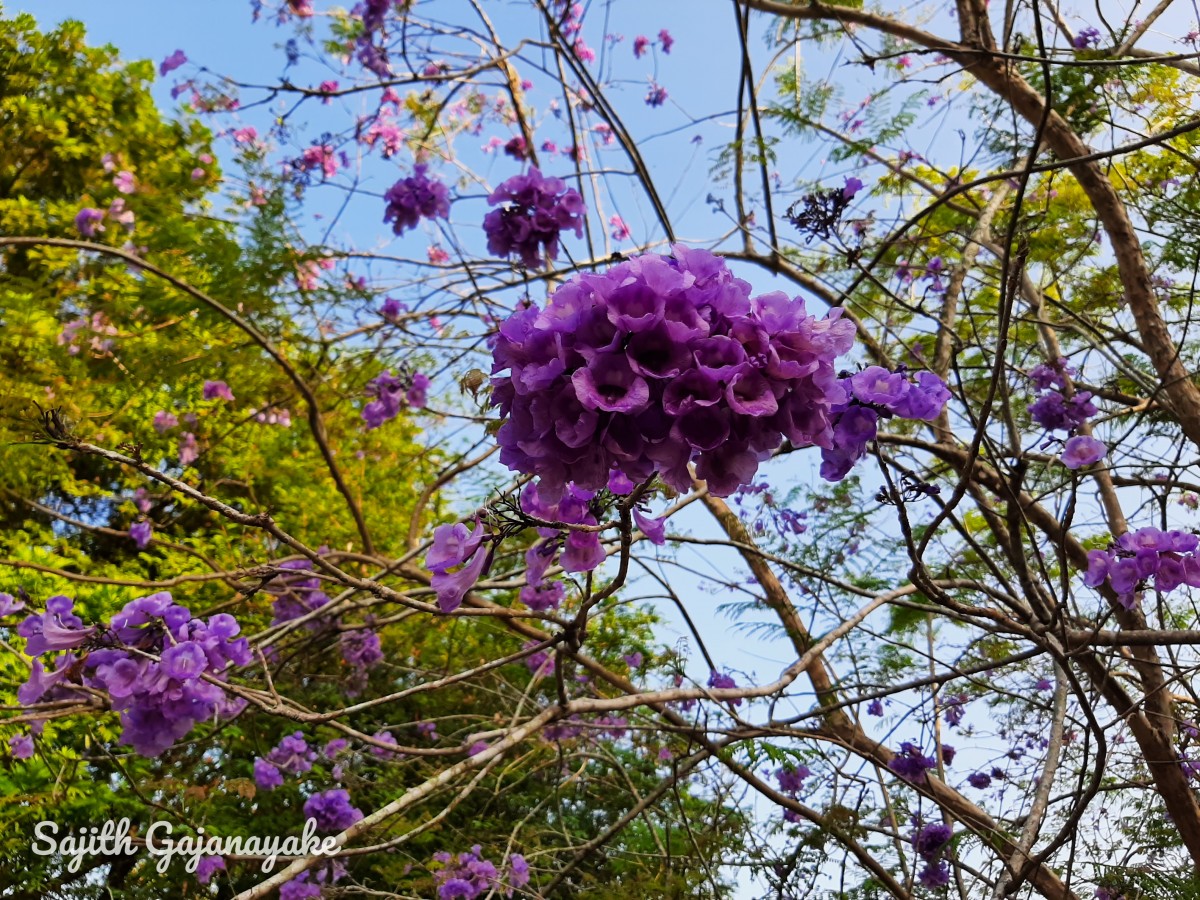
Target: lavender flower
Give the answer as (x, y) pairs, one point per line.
(536, 211)
(414, 198)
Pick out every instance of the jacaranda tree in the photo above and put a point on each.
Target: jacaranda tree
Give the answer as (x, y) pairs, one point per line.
(356, 482)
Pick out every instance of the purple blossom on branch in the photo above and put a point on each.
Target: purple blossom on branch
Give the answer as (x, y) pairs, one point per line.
(414, 198)
(536, 211)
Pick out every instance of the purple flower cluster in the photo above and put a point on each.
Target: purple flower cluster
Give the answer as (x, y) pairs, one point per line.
(362, 650)
(578, 551)
(457, 560)
(911, 764)
(791, 778)
(1165, 559)
(537, 210)
(723, 681)
(391, 392)
(1054, 411)
(331, 810)
(307, 885)
(292, 755)
(159, 700)
(659, 362)
(876, 393)
(141, 533)
(297, 595)
(414, 198)
(930, 843)
(468, 875)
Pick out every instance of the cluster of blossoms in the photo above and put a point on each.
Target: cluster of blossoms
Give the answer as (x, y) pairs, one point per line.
(911, 763)
(414, 198)
(297, 595)
(308, 885)
(468, 875)
(930, 843)
(1148, 556)
(1054, 411)
(536, 211)
(159, 699)
(659, 362)
(876, 393)
(391, 393)
(932, 272)
(331, 810)
(292, 756)
(791, 782)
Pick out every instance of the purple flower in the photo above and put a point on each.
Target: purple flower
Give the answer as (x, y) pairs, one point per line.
(911, 764)
(536, 211)
(266, 776)
(414, 198)
(451, 587)
(1056, 413)
(791, 778)
(207, 867)
(875, 708)
(452, 546)
(55, 629)
(87, 221)
(660, 362)
(853, 186)
(331, 810)
(979, 780)
(141, 532)
(656, 95)
(184, 661)
(172, 62)
(123, 182)
(164, 421)
(1087, 37)
(640, 44)
(8, 605)
(518, 871)
(666, 40)
(934, 875)
(724, 681)
(392, 393)
(1082, 450)
(21, 746)
(633, 660)
(217, 390)
(653, 529)
(189, 450)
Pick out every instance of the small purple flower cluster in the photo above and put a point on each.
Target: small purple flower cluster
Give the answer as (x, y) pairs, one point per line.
(455, 548)
(876, 393)
(1166, 559)
(469, 875)
(1086, 38)
(537, 210)
(292, 755)
(723, 681)
(658, 362)
(930, 843)
(911, 764)
(331, 810)
(791, 782)
(391, 393)
(414, 198)
(308, 885)
(1056, 412)
(297, 595)
(159, 700)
